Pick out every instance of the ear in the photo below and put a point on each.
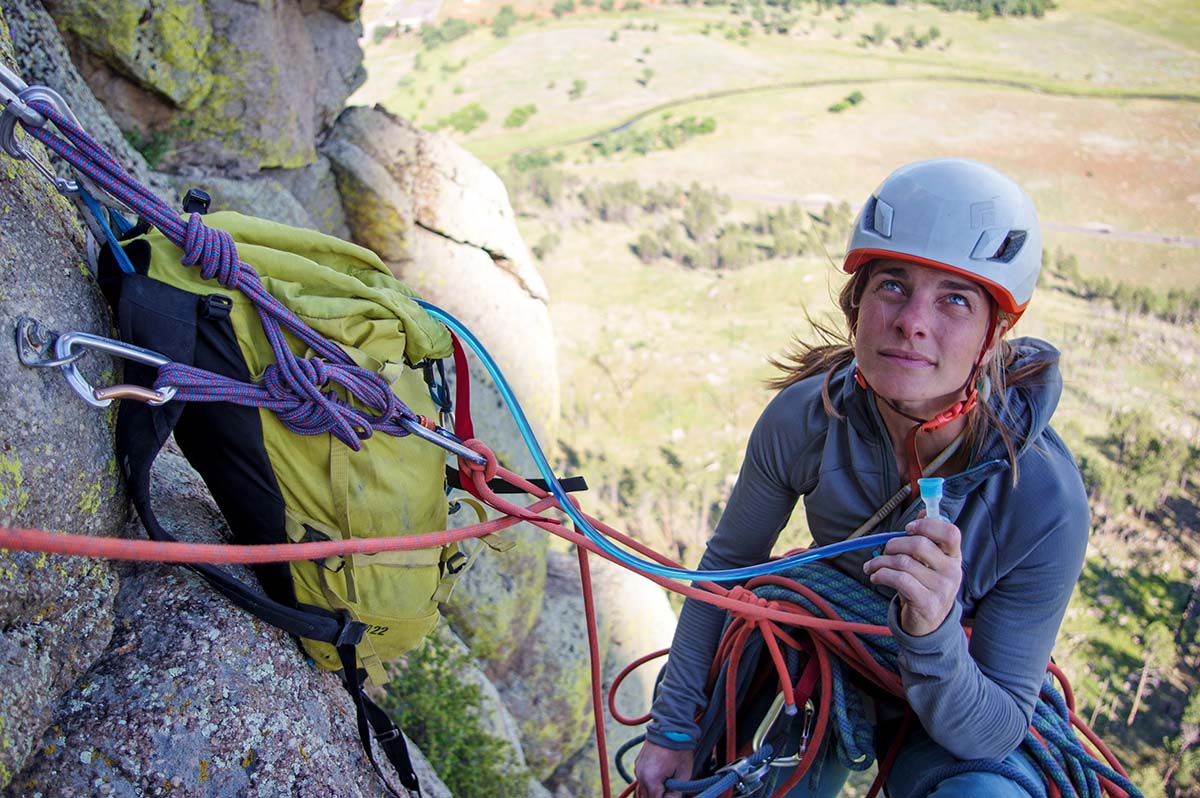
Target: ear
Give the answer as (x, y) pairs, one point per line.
(1003, 324)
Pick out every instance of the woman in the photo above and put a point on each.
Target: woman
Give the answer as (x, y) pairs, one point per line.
(944, 259)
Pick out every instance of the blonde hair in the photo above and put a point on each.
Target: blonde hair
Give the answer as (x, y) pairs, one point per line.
(834, 349)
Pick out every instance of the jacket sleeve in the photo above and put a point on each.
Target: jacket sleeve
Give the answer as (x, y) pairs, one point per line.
(760, 505)
(976, 699)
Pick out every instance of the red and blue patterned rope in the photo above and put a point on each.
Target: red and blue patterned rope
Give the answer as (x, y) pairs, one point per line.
(292, 387)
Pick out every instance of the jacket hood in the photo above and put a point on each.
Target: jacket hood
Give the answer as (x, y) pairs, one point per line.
(1029, 406)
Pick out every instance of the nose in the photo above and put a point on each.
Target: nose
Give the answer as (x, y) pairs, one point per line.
(913, 317)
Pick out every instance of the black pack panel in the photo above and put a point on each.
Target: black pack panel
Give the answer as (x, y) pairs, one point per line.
(222, 441)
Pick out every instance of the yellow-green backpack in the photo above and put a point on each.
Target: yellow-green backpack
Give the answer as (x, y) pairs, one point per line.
(273, 485)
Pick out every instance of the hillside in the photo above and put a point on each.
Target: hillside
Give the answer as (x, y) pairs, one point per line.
(686, 175)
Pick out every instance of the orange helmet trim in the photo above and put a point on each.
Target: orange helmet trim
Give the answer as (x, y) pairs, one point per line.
(855, 259)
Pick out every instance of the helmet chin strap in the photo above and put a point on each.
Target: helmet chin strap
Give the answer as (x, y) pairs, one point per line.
(976, 382)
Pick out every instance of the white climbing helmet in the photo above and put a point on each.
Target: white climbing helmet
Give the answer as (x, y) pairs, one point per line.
(959, 216)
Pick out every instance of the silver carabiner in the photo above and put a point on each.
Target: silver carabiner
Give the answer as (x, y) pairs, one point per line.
(65, 348)
(444, 438)
(16, 96)
(11, 86)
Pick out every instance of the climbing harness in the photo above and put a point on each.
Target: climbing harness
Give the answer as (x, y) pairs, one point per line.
(766, 612)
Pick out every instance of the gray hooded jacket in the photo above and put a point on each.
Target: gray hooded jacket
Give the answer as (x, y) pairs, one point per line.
(1022, 548)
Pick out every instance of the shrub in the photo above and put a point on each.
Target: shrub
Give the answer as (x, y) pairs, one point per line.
(520, 115)
(577, 88)
(434, 35)
(465, 119)
(503, 22)
(537, 159)
(440, 713)
(545, 245)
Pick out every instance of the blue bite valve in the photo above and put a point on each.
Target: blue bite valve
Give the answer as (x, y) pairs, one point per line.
(931, 494)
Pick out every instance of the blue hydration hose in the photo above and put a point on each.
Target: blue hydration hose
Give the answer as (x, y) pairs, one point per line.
(584, 526)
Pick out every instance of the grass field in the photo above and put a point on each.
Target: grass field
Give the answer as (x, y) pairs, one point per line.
(1131, 164)
(1095, 109)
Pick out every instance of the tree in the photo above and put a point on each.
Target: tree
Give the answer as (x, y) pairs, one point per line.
(1158, 657)
(700, 214)
(503, 22)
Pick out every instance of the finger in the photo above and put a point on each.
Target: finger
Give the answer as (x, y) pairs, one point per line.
(924, 550)
(913, 581)
(944, 534)
(911, 589)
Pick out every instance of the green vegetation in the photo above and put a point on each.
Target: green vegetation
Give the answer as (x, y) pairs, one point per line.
(465, 119)
(1177, 305)
(153, 146)
(1141, 468)
(520, 115)
(440, 712)
(853, 98)
(667, 136)
(451, 29)
(504, 20)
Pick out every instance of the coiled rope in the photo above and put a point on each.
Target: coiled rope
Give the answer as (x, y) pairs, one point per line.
(818, 592)
(292, 386)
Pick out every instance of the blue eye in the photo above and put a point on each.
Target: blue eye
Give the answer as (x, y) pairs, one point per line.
(959, 299)
(890, 285)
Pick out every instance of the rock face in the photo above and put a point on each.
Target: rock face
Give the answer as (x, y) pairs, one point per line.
(221, 83)
(443, 222)
(56, 465)
(139, 679)
(195, 697)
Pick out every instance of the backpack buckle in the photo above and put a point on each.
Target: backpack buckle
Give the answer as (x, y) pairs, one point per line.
(215, 306)
(456, 562)
(351, 633)
(196, 200)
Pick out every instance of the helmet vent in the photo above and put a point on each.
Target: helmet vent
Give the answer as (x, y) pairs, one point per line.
(881, 218)
(1009, 247)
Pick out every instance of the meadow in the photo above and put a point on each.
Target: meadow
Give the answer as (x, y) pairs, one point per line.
(1093, 107)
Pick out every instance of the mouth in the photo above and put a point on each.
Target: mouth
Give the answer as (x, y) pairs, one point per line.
(905, 358)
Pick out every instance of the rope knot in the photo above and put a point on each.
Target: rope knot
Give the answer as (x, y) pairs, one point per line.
(314, 372)
(744, 595)
(489, 469)
(214, 250)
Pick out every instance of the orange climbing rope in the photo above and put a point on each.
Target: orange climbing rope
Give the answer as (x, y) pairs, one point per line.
(827, 634)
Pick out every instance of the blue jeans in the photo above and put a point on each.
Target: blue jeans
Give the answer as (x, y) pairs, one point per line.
(919, 756)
